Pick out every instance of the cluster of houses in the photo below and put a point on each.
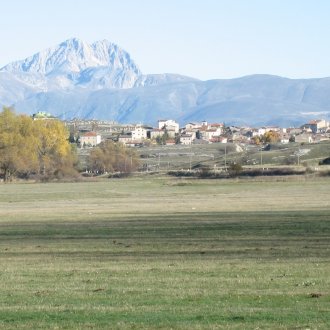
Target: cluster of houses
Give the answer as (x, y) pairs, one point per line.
(168, 132)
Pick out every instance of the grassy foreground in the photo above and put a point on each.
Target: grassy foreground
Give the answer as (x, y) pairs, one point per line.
(165, 253)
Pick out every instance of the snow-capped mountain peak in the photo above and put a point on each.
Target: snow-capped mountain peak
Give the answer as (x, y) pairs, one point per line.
(65, 63)
(100, 80)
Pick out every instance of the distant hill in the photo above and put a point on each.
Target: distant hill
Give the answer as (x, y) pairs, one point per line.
(101, 81)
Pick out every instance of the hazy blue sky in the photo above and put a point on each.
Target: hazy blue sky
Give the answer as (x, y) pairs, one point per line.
(205, 39)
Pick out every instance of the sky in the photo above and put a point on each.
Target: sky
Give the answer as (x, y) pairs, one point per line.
(204, 39)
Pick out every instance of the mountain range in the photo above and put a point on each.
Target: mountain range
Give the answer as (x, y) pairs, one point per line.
(101, 81)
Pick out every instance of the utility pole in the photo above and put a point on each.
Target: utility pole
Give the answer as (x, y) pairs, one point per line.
(190, 157)
(225, 157)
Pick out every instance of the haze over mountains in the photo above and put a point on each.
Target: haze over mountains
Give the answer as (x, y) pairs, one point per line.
(101, 81)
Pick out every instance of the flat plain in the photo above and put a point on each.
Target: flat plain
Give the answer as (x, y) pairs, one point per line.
(166, 253)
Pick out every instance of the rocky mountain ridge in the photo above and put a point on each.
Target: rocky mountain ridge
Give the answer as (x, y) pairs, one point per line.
(101, 81)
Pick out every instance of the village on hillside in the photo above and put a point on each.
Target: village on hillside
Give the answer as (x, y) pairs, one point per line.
(89, 133)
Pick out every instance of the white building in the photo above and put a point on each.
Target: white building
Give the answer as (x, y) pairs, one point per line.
(208, 134)
(195, 125)
(258, 131)
(125, 138)
(139, 133)
(186, 139)
(168, 124)
(90, 139)
(156, 132)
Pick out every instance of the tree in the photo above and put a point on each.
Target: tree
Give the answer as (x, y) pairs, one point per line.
(33, 147)
(16, 147)
(235, 169)
(257, 140)
(52, 147)
(8, 143)
(161, 139)
(271, 137)
(112, 157)
(268, 137)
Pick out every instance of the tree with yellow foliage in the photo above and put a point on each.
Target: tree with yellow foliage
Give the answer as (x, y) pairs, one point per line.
(33, 147)
(268, 137)
(271, 137)
(16, 150)
(51, 146)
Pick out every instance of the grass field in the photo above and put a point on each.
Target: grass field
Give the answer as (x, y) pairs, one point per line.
(163, 253)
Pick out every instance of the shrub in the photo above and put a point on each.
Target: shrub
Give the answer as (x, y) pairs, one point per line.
(235, 169)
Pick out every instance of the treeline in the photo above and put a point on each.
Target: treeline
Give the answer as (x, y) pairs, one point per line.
(40, 149)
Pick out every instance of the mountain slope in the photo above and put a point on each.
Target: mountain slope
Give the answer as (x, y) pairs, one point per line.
(239, 103)
(75, 62)
(100, 80)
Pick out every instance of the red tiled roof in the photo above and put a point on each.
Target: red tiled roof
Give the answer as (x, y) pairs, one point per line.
(90, 134)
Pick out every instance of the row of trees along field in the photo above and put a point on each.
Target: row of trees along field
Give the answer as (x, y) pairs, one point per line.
(41, 149)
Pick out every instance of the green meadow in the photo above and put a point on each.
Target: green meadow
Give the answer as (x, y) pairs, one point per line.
(166, 253)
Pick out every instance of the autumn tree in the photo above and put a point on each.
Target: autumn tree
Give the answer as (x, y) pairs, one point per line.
(268, 137)
(16, 147)
(271, 137)
(52, 147)
(257, 140)
(112, 157)
(33, 147)
(8, 143)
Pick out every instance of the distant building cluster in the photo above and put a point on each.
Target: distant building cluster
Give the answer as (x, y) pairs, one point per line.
(89, 133)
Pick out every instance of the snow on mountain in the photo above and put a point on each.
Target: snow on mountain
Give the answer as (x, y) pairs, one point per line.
(13, 89)
(100, 80)
(73, 62)
(74, 56)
